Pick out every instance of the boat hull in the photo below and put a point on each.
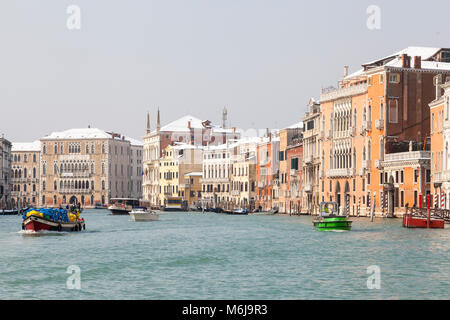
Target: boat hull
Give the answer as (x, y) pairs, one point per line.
(410, 221)
(336, 223)
(138, 217)
(35, 223)
(119, 211)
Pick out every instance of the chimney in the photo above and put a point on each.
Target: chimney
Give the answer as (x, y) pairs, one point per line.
(233, 129)
(148, 122)
(345, 71)
(189, 124)
(406, 61)
(417, 62)
(158, 122)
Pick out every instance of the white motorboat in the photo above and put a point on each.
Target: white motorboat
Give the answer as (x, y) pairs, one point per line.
(142, 214)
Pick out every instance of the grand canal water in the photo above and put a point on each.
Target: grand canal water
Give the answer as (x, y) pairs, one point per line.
(214, 256)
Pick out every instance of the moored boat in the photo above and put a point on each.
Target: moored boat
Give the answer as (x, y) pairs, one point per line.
(411, 221)
(329, 220)
(142, 214)
(238, 212)
(52, 220)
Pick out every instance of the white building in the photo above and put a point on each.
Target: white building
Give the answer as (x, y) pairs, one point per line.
(5, 173)
(25, 173)
(86, 166)
(189, 130)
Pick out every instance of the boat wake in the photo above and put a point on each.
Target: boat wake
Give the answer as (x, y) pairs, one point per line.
(41, 233)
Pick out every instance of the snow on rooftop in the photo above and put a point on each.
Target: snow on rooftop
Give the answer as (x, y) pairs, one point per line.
(135, 142)
(296, 125)
(424, 52)
(26, 146)
(194, 174)
(83, 133)
(430, 65)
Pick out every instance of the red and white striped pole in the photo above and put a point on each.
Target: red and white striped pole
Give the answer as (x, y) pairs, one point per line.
(442, 200)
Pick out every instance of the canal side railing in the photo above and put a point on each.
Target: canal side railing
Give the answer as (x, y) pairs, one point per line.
(436, 213)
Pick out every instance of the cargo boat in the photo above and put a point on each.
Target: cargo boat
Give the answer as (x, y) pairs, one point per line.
(37, 221)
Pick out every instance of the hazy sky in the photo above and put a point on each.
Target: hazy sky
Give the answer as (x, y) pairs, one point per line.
(261, 59)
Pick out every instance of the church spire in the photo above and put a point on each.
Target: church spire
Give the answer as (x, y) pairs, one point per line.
(148, 122)
(158, 123)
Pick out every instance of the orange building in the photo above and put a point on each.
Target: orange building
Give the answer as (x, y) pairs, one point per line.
(267, 168)
(288, 139)
(439, 131)
(387, 100)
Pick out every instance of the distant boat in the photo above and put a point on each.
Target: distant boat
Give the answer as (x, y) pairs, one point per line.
(13, 211)
(99, 205)
(123, 206)
(142, 214)
(237, 211)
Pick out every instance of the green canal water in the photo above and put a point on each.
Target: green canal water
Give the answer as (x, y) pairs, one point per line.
(215, 256)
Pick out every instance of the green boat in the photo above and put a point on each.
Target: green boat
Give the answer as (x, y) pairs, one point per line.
(329, 218)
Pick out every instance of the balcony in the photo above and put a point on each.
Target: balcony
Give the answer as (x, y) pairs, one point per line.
(293, 172)
(308, 159)
(76, 191)
(412, 155)
(329, 134)
(439, 177)
(366, 164)
(378, 164)
(337, 93)
(81, 174)
(406, 158)
(366, 126)
(320, 135)
(308, 187)
(336, 173)
(379, 124)
(235, 193)
(352, 131)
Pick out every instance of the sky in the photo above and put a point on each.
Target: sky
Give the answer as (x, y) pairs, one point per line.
(262, 59)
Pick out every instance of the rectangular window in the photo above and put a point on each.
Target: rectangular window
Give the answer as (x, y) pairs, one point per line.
(415, 199)
(402, 198)
(396, 176)
(393, 111)
(381, 177)
(394, 78)
(416, 175)
(294, 163)
(401, 176)
(368, 178)
(428, 176)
